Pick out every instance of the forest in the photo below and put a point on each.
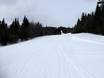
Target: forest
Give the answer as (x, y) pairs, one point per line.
(16, 32)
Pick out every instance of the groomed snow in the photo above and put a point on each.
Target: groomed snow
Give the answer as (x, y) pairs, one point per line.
(61, 56)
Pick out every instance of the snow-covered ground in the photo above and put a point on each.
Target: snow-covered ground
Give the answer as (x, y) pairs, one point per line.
(61, 56)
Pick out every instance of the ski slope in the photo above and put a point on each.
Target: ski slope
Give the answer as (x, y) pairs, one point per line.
(59, 56)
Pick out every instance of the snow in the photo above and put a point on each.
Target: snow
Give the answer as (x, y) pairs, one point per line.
(58, 56)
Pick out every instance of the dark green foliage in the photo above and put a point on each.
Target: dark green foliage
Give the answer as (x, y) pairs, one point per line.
(91, 23)
(27, 30)
(3, 33)
(88, 23)
(35, 29)
(50, 31)
(64, 29)
(14, 32)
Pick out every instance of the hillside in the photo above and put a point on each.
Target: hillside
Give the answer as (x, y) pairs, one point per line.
(61, 56)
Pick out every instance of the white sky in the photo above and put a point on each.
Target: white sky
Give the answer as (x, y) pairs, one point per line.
(48, 12)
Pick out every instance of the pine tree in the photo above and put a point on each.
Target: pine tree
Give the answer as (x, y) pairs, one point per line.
(3, 33)
(25, 29)
(36, 29)
(14, 31)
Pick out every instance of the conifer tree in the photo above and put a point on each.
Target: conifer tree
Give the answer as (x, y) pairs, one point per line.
(25, 29)
(14, 31)
(3, 33)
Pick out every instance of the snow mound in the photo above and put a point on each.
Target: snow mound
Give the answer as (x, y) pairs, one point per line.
(58, 56)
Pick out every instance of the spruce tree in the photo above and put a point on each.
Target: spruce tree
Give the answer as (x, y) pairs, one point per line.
(25, 29)
(14, 31)
(4, 33)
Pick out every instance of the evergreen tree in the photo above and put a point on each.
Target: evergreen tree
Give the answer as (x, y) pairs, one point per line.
(36, 29)
(14, 31)
(3, 33)
(91, 23)
(25, 29)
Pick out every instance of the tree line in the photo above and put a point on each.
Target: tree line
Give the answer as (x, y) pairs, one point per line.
(13, 33)
(91, 23)
(16, 32)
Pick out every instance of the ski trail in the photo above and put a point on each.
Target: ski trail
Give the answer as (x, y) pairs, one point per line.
(26, 62)
(68, 61)
(81, 72)
(60, 56)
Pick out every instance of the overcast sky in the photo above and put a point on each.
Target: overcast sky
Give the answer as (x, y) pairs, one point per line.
(48, 12)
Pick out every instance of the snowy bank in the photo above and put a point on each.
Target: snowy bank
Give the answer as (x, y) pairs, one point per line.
(60, 56)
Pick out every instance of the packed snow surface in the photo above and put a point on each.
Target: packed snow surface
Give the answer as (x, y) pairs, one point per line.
(60, 56)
